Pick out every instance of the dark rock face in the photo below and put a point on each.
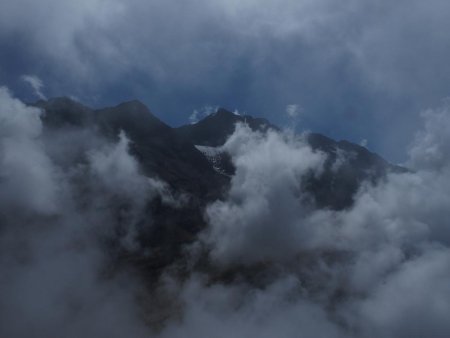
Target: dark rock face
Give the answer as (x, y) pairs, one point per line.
(347, 166)
(64, 112)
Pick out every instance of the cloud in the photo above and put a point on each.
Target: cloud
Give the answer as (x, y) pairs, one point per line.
(430, 148)
(239, 311)
(375, 269)
(354, 64)
(36, 84)
(194, 117)
(28, 176)
(269, 264)
(199, 114)
(293, 110)
(413, 301)
(249, 219)
(63, 196)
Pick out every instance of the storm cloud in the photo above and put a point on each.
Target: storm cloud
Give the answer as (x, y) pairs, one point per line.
(351, 65)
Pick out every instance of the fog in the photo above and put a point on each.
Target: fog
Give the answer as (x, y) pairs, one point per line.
(276, 265)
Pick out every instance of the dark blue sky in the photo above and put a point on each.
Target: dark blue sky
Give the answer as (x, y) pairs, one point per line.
(357, 70)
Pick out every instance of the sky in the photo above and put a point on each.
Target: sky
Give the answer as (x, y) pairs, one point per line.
(358, 70)
(375, 73)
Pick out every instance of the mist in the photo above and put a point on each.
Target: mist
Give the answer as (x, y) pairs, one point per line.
(63, 197)
(269, 263)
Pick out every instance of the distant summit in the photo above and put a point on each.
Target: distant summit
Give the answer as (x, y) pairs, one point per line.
(64, 111)
(214, 129)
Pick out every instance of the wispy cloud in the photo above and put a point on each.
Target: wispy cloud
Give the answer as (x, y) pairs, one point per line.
(293, 110)
(35, 83)
(198, 114)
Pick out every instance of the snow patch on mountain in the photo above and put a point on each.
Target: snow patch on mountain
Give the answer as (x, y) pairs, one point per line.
(215, 156)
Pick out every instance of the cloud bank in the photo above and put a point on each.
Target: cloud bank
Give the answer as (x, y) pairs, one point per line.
(269, 263)
(61, 201)
(379, 268)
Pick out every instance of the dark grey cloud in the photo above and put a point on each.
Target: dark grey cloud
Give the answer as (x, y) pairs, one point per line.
(239, 311)
(351, 65)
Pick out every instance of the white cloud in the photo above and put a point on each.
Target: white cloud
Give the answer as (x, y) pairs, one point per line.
(430, 148)
(36, 84)
(263, 208)
(379, 265)
(293, 110)
(62, 198)
(379, 268)
(199, 114)
(27, 174)
(193, 118)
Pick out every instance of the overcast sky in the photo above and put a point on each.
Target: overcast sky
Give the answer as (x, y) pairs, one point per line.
(359, 70)
(375, 73)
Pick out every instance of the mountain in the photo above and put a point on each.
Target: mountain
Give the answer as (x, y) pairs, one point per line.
(346, 167)
(214, 129)
(63, 112)
(158, 148)
(190, 160)
(161, 152)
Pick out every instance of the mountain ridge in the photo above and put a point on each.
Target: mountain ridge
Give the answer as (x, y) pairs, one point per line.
(180, 157)
(173, 153)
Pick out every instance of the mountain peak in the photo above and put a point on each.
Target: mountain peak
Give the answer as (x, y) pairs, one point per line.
(132, 117)
(223, 112)
(134, 105)
(64, 111)
(59, 102)
(222, 115)
(214, 129)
